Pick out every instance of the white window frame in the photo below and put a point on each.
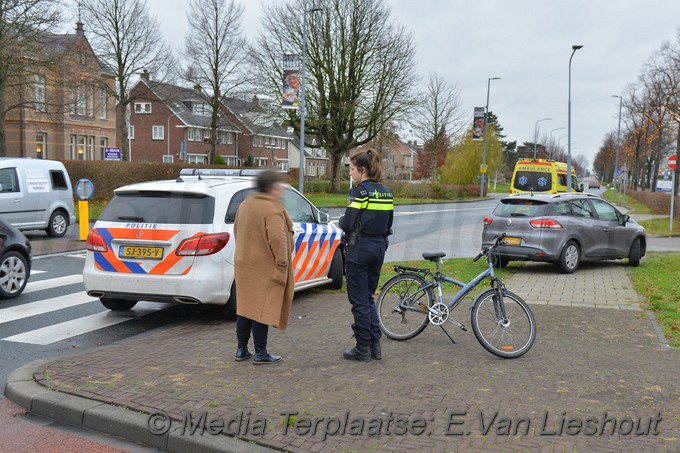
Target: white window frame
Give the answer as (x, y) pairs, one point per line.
(168, 159)
(230, 138)
(199, 135)
(41, 143)
(40, 93)
(311, 169)
(190, 134)
(131, 132)
(196, 158)
(143, 108)
(103, 107)
(157, 132)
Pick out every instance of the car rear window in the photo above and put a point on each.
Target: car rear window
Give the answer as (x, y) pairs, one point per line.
(520, 208)
(160, 207)
(536, 181)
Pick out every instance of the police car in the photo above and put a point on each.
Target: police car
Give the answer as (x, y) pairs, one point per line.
(172, 241)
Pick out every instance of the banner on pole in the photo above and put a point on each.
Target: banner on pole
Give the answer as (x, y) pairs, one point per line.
(478, 123)
(290, 86)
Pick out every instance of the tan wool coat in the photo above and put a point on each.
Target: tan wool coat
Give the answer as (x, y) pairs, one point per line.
(263, 262)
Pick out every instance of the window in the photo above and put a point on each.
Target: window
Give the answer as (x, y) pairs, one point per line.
(231, 161)
(206, 134)
(581, 208)
(235, 202)
(190, 134)
(143, 107)
(168, 159)
(199, 135)
(230, 137)
(161, 207)
(58, 180)
(200, 108)
(311, 169)
(157, 132)
(102, 104)
(197, 158)
(605, 211)
(8, 180)
(298, 208)
(131, 132)
(40, 90)
(103, 144)
(41, 145)
(90, 147)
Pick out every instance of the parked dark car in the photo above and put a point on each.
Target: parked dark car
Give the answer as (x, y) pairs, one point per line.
(564, 229)
(15, 261)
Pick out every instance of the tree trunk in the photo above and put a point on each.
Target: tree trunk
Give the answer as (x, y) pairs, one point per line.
(336, 159)
(122, 127)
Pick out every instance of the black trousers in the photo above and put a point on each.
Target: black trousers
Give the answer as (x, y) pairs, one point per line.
(243, 328)
(364, 262)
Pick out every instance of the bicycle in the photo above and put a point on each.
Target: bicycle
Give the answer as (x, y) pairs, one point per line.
(501, 320)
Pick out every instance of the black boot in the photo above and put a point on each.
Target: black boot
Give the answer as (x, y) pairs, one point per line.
(242, 353)
(376, 351)
(262, 357)
(361, 352)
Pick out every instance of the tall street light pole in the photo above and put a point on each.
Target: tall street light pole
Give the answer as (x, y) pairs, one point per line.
(573, 51)
(167, 159)
(486, 128)
(550, 139)
(618, 141)
(536, 133)
(302, 97)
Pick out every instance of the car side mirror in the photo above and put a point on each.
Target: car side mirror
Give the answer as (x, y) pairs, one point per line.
(580, 187)
(324, 216)
(624, 219)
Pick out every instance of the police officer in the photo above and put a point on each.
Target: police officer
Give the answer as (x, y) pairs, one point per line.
(367, 223)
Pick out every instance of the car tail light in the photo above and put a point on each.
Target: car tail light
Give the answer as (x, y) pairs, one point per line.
(95, 242)
(488, 220)
(203, 245)
(546, 223)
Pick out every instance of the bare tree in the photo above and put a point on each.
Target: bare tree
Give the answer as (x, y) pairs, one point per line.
(216, 53)
(440, 109)
(127, 39)
(23, 28)
(360, 67)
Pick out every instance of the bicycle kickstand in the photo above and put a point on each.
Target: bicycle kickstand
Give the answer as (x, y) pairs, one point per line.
(447, 334)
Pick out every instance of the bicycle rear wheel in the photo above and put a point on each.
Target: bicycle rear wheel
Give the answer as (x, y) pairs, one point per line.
(508, 338)
(403, 306)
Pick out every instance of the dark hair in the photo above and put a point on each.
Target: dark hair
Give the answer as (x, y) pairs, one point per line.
(370, 161)
(268, 179)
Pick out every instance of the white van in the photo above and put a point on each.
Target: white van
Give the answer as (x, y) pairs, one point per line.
(36, 194)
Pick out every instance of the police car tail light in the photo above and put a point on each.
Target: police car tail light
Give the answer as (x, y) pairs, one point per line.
(95, 242)
(488, 220)
(546, 223)
(203, 245)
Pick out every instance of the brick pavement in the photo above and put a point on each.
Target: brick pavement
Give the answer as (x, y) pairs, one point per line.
(586, 362)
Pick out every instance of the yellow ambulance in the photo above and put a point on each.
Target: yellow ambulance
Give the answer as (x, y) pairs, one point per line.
(542, 175)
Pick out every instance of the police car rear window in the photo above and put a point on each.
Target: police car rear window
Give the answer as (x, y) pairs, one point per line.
(160, 207)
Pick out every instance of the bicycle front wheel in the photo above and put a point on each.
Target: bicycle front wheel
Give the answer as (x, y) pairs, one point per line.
(507, 338)
(403, 306)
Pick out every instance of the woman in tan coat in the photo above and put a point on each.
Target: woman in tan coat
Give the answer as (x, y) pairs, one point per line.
(263, 267)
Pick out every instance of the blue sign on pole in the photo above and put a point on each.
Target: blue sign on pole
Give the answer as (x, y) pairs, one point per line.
(111, 153)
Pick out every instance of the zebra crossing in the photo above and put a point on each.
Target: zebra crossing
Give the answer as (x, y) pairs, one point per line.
(45, 308)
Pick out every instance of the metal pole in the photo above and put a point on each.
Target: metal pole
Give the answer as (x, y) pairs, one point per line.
(536, 133)
(302, 98)
(618, 141)
(168, 158)
(486, 128)
(574, 49)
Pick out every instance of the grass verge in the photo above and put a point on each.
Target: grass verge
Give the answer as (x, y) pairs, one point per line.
(656, 279)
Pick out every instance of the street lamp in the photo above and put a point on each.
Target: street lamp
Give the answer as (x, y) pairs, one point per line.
(559, 140)
(573, 51)
(486, 128)
(410, 173)
(167, 159)
(302, 97)
(618, 141)
(550, 139)
(536, 133)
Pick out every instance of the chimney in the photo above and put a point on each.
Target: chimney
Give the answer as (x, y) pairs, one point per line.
(256, 101)
(80, 30)
(145, 75)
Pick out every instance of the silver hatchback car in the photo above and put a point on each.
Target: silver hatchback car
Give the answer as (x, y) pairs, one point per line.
(564, 229)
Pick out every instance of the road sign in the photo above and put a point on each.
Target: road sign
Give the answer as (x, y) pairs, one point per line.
(671, 162)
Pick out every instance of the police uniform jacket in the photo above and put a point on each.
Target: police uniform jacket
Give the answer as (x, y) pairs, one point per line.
(370, 210)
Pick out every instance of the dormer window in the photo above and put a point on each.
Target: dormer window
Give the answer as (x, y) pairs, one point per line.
(200, 108)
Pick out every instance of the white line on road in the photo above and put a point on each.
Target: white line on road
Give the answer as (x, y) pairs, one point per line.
(52, 283)
(44, 306)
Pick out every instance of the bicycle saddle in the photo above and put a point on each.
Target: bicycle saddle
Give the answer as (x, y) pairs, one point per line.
(433, 256)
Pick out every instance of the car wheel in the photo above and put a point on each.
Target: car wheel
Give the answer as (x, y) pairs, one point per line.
(58, 224)
(336, 271)
(13, 275)
(228, 310)
(569, 258)
(118, 304)
(634, 255)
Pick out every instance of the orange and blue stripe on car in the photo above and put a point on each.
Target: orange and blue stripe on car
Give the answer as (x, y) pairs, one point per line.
(313, 251)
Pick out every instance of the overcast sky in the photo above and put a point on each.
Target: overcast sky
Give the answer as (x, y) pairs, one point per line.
(528, 44)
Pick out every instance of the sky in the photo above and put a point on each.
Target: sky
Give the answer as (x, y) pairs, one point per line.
(527, 43)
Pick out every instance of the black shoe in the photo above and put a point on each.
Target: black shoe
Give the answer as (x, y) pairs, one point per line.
(376, 351)
(242, 354)
(361, 353)
(261, 358)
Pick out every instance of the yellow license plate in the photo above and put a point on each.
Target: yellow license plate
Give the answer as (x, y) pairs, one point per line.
(512, 241)
(154, 253)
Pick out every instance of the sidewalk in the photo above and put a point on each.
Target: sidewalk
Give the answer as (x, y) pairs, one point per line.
(593, 370)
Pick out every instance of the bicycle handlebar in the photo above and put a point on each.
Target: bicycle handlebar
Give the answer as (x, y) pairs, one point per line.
(496, 242)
